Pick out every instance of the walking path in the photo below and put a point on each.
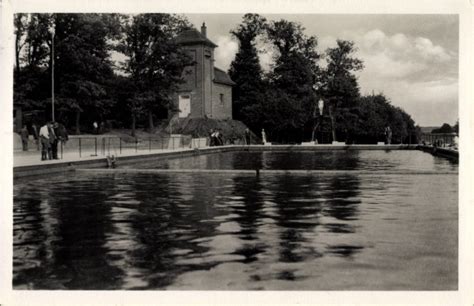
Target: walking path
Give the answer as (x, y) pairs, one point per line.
(32, 158)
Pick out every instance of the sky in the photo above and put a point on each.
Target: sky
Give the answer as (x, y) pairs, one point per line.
(411, 59)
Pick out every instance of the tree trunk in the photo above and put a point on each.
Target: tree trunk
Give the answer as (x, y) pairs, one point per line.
(333, 124)
(78, 120)
(150, 121)
(134, 121)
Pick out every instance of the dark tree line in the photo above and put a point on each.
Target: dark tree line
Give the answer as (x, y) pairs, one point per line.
(85, 78)
(139, 90)
(284, 101)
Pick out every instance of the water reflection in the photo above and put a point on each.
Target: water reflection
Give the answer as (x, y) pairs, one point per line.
(228, 231)
(170, 223)
(249, 214)
(317, 160)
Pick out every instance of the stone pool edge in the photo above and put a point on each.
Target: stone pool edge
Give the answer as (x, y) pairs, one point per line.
(46, 168)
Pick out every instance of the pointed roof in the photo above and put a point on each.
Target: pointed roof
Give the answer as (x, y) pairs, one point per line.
(220, 76)
(193, 36)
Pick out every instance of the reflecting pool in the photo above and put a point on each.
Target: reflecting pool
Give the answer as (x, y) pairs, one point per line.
(236, 231)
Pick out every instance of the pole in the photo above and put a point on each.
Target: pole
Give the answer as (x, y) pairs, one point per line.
(52, 76)
(120, 138)
(79, 147)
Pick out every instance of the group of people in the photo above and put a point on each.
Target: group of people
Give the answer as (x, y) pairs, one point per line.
(50, 135)
(216, 138)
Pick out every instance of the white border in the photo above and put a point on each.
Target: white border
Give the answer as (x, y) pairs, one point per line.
(465, 293)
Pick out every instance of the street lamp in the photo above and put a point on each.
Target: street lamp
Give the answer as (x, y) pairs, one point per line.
(52, 31)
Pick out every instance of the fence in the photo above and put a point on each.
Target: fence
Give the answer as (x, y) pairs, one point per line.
(85, 146)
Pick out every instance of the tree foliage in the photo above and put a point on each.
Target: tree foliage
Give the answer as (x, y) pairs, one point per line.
(338, 84)
(155, 61)
(445, 128)
(290, 94)
(81, 64)
(282, 100)
(246, 72)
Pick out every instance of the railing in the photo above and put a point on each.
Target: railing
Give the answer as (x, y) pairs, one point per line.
(89, 146)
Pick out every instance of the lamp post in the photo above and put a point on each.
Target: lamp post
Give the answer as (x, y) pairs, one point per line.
(52, 31)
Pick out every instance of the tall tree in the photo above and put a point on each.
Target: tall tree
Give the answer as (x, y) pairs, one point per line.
(338, 84)
(82, 63)
(246, 72)
(20, 24)
(294, 74)
(154, 60)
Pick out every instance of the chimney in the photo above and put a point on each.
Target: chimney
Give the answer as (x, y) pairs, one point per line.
(204, 29)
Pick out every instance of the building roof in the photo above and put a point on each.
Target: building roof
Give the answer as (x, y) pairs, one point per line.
(193, 36)
(221, 77)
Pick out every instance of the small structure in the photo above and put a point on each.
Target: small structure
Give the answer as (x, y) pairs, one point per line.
(444, 139)
(207, 90)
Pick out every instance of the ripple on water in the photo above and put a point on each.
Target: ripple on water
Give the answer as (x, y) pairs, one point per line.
(199, 231)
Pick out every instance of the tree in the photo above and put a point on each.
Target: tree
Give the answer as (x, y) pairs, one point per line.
(246, 72)
(456, 127)
(82, 63)
(20, 23)
(338, 84)
(294, 74)
(366, 120)
(154, 60)
(445, 128)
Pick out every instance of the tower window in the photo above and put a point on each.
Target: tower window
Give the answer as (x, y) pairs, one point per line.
(221, 98)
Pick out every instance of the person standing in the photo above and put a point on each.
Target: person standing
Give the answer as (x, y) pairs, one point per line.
(264, 137)
(211, 138)
(45, 145)
(219, 138)
(53, 140)
(96, 127)
(24, 138)
(388, 135)
(247, 136)
(36, 136)
(61, 137)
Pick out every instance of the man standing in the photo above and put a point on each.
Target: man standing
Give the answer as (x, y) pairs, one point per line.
(388, 135)
(53, 140)
(45, 145)
(247, 136)
(36, 135)
(24, 138)
(61, 135)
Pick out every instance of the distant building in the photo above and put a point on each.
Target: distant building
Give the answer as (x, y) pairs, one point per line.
(207, 90)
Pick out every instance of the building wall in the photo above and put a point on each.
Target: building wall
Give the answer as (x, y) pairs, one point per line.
(193, 82)
(208, 69)
(198, 83)
(198, 80)
(221, 110)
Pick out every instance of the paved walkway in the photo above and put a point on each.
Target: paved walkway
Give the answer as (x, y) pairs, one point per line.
(86, 147)
(31, 158)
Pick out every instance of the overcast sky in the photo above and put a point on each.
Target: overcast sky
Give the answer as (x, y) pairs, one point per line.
(412, 59)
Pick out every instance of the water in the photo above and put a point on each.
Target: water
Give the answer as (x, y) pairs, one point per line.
(236, 231)
(314, 160)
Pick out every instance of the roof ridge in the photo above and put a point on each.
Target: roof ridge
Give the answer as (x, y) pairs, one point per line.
(193, 36)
